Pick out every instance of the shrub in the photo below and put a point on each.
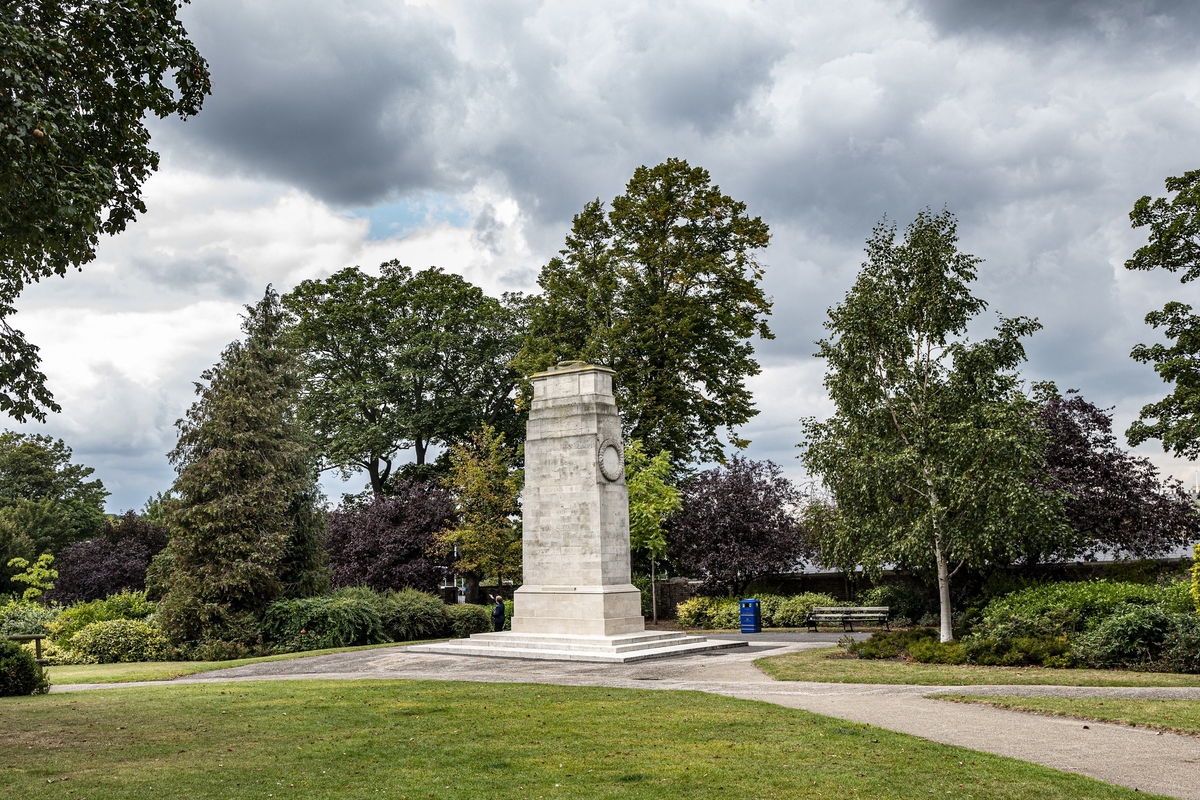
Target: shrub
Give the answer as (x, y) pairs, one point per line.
(408, 615)
(113, 640)
(468, 618)
(509, 609)
(903, 602)
(891, 644)
(1196, 575)
(1021, 651)
(385, 545)
(55, 656)
(20, 616)
(342, 619)
(1181, 648)
(696, 612)
(19, 673)
(1132, 637)
(793, 611)
(125, 605)
(220, 650)
(930, 651)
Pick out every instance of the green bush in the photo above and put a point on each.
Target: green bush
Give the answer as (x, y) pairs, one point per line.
(1181, 648)
(112, 640)
(930, 651)
(1196, 576)
(468, 618)
(409, 615)
(19, 673)
(1021, 651)
(509, 607)
(219, 650)
(891, 644)
(72, 619)
(793, 611)
(697, 612)
(22, 616)
(1132, 637)
(345, 618)
(903, 602)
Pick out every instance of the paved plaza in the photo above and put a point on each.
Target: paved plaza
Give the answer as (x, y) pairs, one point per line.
(1139, 758)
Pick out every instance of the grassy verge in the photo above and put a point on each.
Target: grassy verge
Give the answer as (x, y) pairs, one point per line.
(166, 670)
(816, 665)
(410, 739)
(1179, 716)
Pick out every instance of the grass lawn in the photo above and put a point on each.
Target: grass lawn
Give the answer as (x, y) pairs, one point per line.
(816, 665)
(416, 739)
(166, 670)
(1181, 716)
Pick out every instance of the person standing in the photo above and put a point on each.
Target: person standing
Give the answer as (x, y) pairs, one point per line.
(498, 614)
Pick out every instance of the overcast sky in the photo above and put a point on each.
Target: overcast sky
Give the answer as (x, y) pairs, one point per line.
(467, 135)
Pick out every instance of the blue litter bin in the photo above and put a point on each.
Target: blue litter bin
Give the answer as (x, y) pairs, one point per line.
(751, 616)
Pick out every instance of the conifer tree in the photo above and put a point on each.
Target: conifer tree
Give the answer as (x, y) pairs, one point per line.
(245, 521)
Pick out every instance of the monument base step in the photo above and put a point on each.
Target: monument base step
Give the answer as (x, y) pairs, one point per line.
(621, 649)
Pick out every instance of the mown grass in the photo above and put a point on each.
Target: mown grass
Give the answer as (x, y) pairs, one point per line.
(415, 739)
(167, 670)
(1179, 716)
(817, 665)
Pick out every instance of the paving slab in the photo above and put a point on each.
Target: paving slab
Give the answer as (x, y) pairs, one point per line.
(1163, 763)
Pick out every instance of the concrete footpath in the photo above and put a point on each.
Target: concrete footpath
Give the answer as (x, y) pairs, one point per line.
(1162, 763)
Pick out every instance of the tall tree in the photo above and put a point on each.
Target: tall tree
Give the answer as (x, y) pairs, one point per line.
(665, 289)
(1174, 246)
(401, 361)
(1115, 501)
(245, 521)
(76, 83)
(736, 524)
(486, 482)
(932, 455)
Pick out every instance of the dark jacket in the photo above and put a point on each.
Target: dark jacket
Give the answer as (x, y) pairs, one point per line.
(498, 613)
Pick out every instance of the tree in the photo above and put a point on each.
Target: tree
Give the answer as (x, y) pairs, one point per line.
(245, 522)
(39, 576)
(486, 483)
(77, 81)
(1174, 245)
(401, 361)
(664, 289)
(46, 500)
(115, 561)
(652, 501)
(388, 543)
(932, 455)
(736, 524)
(1115, 501)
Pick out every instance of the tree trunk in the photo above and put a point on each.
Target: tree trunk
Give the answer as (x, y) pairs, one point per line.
(472, 587)
(943, 572)
(376, 480)
(653, 594)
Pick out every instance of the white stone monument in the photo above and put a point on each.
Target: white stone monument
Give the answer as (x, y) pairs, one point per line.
(577, 602)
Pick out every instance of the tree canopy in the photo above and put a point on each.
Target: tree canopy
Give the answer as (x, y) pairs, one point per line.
(1174, 246)
(736, 524)
(932, 454)
(245, 520)
(76, 83)
(401, 361)
(664, 289)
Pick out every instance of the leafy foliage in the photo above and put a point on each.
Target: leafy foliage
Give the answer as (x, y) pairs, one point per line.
(21, 616)
(777, 611)
(408, 615)
(387, 543)
(737, 523)
(903, 602)
(1114, 501)
(78, 80)
(931, 455)
(1196, 574)
(118, 640)
(245, 524)
(1174, 246)
(468, 618)
(38, 577)
(664, 289)
(486, 484)
(74, 618)
(19, 673)
(652, 499)
(402, 361)
(342, 619)
(114, 562)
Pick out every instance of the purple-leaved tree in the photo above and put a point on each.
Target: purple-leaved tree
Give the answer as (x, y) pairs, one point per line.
(387, 544)
(113, 562)
(737, 523)
(1116, 501)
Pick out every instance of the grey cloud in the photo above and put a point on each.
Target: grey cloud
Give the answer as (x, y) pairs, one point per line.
(192, 272)
(1161, 22)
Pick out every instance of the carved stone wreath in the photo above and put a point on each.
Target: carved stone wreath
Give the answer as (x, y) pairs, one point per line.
(611, 460)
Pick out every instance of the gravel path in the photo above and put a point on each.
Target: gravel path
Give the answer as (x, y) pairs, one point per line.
(1163, 763)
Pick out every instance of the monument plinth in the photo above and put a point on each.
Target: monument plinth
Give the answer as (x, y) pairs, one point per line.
(577, 601)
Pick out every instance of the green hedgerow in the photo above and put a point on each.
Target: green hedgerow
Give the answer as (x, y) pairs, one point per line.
(74, 618)
(19, 673)
(409, 615)
(345, 618)
(468, 618)
(116, 640)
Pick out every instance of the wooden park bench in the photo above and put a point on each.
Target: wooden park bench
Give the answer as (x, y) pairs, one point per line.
(36, 638)
(846, 616)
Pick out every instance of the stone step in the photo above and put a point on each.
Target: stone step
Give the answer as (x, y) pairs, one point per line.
(550, 640)
(470, 647)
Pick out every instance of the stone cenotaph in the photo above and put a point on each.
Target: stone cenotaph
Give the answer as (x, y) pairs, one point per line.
(577, 602)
